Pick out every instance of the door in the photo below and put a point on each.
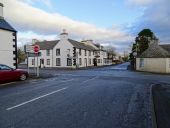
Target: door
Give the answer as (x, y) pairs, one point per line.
(85, 62)
(7, 74)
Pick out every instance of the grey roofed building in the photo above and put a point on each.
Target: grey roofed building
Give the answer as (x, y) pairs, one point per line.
(47, 45)
(156, 51)
(6, 26)
(81, 45)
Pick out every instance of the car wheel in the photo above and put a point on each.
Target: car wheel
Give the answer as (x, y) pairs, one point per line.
(23, 77)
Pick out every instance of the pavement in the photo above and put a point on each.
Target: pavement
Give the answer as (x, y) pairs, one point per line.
(161, 97)
(109, 97)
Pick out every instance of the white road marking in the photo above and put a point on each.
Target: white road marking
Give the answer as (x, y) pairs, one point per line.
(29, 101)
(63, 81)
(7, 83)
(89, 80)
(69, 75)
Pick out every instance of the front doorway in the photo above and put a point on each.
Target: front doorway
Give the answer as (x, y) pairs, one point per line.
(85, 62)
(95, 62)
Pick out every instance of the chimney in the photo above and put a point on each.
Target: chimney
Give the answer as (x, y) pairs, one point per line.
(64, 35)
(1, 11)
(87, 42)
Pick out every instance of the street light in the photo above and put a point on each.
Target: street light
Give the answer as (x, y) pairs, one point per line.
(135, 55)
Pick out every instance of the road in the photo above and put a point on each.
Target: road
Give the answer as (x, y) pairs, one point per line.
(109, 97)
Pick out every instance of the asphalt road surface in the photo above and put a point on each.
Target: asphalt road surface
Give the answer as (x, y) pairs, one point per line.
(109, 97)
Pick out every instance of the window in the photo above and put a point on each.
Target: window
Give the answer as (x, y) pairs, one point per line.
(80, 51)
(141, 64)
(69, 62)
(89, 53)
(68, 52)
(58, 62)
(85, 52)
(4, 67)
(48, 52)
(33, 61)
(105, 61)
(80, 61)
(48, 61)
(89, 61)
(57, 52)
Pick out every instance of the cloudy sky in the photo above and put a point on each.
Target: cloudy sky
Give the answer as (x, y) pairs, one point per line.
(109, 22)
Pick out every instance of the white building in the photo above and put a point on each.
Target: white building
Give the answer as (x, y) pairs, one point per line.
(8, 42)
(69, 53)
(155, 59)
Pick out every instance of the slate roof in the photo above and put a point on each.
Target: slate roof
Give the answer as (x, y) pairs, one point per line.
(166, 47)
(47, 45)
(6, 26)
(155, 51)
(81, 45)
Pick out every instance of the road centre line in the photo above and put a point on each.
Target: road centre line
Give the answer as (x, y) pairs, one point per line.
(89, 79)
(63, 81)
(34, 99)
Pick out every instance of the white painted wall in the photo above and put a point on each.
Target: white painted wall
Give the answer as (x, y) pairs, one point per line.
(43, 56)
(6, 48)
(158, 65)
(168, 65)
(1, 11)
(63, 45)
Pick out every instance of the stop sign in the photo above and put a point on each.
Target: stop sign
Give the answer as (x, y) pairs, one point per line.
(36, 48)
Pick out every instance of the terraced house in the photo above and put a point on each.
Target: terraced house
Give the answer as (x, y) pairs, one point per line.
(69, 53)
(8, 42)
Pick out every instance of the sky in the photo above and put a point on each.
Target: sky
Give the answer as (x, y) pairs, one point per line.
(108, 22)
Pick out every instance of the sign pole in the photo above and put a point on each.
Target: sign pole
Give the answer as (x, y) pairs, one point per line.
(36, 51)
(37, 66)
(28, 63)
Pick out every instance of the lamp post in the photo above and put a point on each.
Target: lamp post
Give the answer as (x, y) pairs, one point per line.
(135, 54)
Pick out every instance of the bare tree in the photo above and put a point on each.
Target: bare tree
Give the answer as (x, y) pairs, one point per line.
(111, 52)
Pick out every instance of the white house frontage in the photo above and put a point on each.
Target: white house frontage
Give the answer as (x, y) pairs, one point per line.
(68, 53)
(8, 42)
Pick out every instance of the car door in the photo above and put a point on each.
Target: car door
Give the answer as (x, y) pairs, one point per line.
(3, 77)
(7, 74)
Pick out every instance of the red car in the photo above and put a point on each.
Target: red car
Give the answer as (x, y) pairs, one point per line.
(8, 74)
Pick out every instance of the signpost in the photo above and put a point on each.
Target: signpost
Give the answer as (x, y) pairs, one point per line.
(36, 50)
(28, 49)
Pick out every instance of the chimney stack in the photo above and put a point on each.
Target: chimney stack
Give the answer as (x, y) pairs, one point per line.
(1, 11)
(64, 35)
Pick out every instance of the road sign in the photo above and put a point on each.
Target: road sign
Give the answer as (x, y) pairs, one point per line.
(36, 48)
(33, 54)
(28, 48)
